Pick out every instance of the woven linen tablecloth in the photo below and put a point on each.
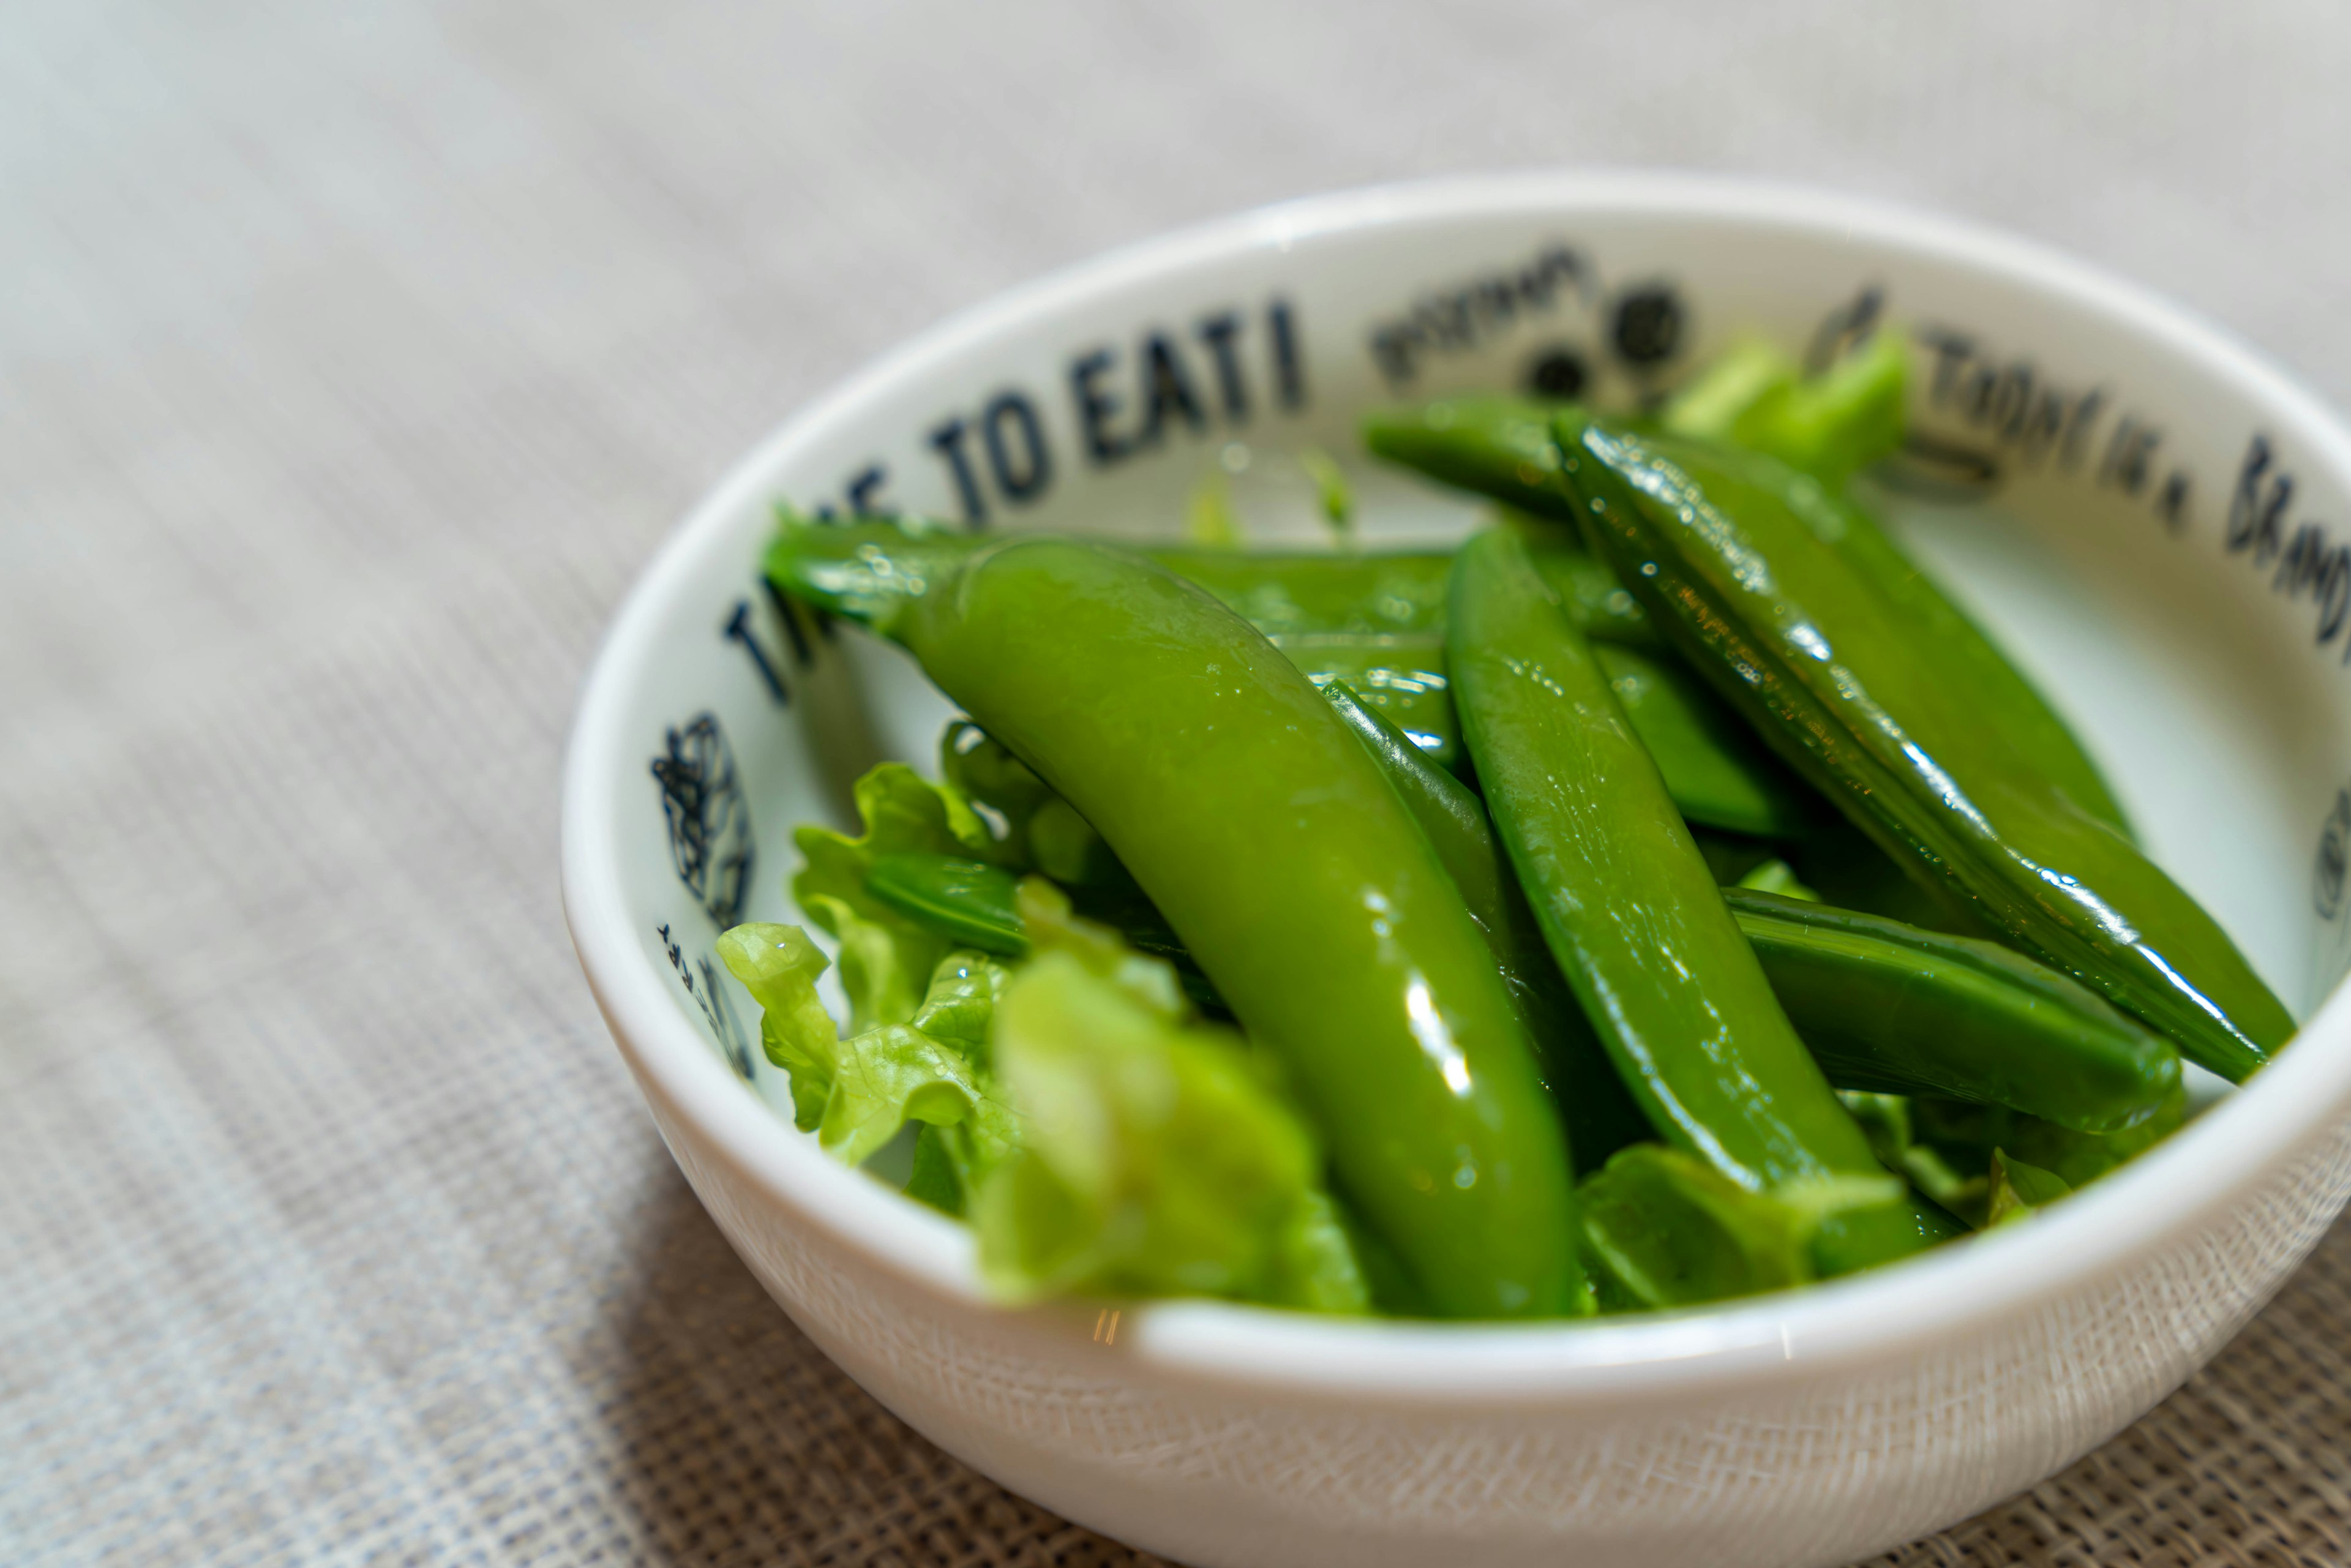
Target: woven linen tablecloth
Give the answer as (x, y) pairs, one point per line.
(353, 359)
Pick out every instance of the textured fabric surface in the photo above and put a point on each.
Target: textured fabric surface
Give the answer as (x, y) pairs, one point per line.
(352, 358)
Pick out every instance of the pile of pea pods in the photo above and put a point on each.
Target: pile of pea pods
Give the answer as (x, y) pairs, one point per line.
(1669, 894)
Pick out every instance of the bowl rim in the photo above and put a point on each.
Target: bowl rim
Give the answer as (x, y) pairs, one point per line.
(1832, 1326)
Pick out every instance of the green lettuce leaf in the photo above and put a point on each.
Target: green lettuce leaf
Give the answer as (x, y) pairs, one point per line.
(780, 965)
(922, 1071)
(886, 959)
(856, 1092)
(1157, 1157)
(2018, 1189)
(1671, 1231)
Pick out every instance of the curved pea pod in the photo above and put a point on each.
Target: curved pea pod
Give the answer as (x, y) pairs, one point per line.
(1281, 857)
(1402, 676)
(1601, 1117)
(969, 902)
(1629, 908)
(865, 568)
(1828, 426)
(977, 904)
(1858, 697)
(1892, 1008)
(1366, 620)
(1293, 596)
(1498, 447)
(1718, 773)
(1290, 592)
(1972, 662)
(1494, 447)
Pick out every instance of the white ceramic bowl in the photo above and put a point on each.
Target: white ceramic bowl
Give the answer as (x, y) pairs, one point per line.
(2177, 575)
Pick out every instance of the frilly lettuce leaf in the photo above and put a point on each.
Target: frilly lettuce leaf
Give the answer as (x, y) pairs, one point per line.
(886, 959)
(855, 1093)
(1670, 1231)
(779, 966)
(1045, 916)
(1156, 1157)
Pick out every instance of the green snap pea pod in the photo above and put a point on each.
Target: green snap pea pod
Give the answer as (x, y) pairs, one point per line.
(861, 567)
(1630, 910)
(977, 906)
(1828, 426)
(1892, 1008)
(1498, 447)
(1971, 661)
(1401, 676)
(1601, 1117)
(1278, 852)
(1284, 593)
(1718, 773)
(1287, 594)
(1495, 446)
(1324, 612)
(1851, 691)
(969, 901)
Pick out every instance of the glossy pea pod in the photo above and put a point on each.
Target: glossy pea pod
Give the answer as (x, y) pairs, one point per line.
(1894, 1009)
(1880, 1005)
(1512, 449)
(1859, 696)
(976, 904)
(1601, 1117)
(1278, 852)
(1632, 913)
(1375, 623)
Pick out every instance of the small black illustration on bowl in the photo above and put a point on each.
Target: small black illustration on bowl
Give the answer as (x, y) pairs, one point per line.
(709, 821)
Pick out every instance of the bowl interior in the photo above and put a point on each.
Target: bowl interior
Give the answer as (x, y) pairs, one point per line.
(2143, 515)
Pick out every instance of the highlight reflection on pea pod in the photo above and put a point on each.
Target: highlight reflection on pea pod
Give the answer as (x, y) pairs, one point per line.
(1601, 1117)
